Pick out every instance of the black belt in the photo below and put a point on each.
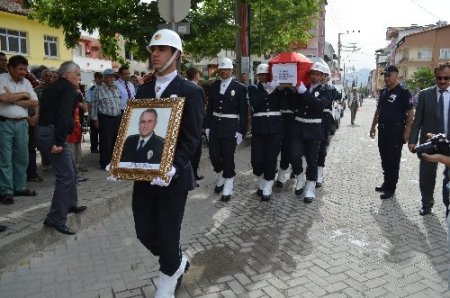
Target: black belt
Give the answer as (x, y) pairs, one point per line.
(12, 119)
(384, 125)
(108, 116)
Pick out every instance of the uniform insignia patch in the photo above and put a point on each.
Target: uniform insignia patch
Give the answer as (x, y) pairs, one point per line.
(158, 36)
(316, 94)
(149, 154)
(233, 92)
(392, 97)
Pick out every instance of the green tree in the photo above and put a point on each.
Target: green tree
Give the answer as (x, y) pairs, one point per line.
(421, 79)
(279, 27)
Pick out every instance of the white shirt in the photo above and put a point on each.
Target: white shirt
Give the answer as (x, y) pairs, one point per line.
(120, 84)
(224, 85)
(12, 110)
(162, 82)
(446, 105)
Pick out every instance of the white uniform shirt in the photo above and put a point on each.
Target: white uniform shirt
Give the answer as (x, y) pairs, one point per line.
(224, 85)
(12, 110)
(162, 82)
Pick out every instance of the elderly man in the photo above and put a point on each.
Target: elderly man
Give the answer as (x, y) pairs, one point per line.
(55, 124)
(16, 96)
(106, 115)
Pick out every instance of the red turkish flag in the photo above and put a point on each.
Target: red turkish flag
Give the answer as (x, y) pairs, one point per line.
(303, 64)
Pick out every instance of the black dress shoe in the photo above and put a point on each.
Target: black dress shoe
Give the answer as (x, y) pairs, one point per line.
(62, 229)
(2, 228)
(77, 209)
(265, 198)
(218, 189)
(424, 211)
(95, 151)
(199, 177)
(6, 199)
(279, 184)
(225, 198)
(308, 200)
(386, 195)
(318, 185)
(379, 188)
(197, 185)
(259, 192)
(299, 191)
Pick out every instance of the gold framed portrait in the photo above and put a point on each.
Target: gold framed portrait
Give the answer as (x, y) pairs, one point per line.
(146, 143)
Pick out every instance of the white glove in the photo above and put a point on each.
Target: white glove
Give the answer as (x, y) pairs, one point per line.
(274, 84)
(207, 133)
(110, 177)
(163, 183)
(238, 137)
(301, 88)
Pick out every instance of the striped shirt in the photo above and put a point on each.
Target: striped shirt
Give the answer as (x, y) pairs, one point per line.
(105, 101)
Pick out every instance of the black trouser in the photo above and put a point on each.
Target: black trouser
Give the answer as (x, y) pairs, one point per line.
(93, 135)
(195, 160)
(108, 127)
(32, 166)
(310, 149)
(427, 182)
(265, 150)
(158, 213)
(324, 144)
(221, 153)
(390, 145)
(285, 155)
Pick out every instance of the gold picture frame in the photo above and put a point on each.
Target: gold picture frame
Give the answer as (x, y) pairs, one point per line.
(136, 154)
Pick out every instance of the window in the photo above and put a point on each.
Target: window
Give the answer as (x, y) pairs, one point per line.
(77, 50)
(13, 41)
(50, 46)
(444, 54)
(424, 54)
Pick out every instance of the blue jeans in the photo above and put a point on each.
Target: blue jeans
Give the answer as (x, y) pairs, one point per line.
(13, 156)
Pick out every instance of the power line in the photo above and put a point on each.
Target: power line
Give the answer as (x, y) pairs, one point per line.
(426, 10)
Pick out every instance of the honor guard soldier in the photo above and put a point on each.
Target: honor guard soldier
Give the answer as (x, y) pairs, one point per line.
(288, 103)
(394, 116)
(307, 132)
(267, 131)
(226, 114)
(327, 122)
(158, 206)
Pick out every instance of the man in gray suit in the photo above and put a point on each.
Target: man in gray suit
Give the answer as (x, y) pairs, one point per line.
(432, 116)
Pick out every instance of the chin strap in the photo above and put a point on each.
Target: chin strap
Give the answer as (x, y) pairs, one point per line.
(174, 55)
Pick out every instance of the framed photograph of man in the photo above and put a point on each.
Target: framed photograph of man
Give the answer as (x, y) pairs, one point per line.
(147, 139)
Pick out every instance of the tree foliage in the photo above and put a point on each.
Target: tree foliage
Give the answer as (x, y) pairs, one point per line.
(421, 79)
(275, 25)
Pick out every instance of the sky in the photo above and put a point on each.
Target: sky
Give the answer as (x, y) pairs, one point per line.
(371, 18)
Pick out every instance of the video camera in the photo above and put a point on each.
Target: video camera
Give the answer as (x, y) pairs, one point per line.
(438, 144)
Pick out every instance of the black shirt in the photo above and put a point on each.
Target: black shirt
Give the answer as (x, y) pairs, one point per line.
(393, 105)
(56, 108)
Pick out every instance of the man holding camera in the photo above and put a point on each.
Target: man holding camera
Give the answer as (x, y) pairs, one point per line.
(394, 115)
(432, 116)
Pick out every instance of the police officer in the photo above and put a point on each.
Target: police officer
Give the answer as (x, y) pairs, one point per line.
(394, 116)
(226, 124)
(307, 132)
(267, 129)
(288, 102)
(327, 122)
(158, 206)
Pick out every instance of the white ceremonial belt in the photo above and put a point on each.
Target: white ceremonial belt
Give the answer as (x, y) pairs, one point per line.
(306, 120)
(287, 112)
(267, 114)
(327, 111)
(220, 115)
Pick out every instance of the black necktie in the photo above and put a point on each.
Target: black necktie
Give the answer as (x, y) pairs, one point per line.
(441, 101)
(441, 111)
(128, 89)
(141, 144)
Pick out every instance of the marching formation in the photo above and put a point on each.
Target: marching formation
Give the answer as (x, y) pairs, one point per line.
(293, 120)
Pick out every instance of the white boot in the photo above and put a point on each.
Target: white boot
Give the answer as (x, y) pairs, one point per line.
(167, 284)
(260, 185)
(310, 191)
(319, 176)
(282, 177)
(220, 183)
(227, 189)
(300, 183)
(267, 190)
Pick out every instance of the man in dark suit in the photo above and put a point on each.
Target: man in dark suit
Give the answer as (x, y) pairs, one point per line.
(158, 205)
(226, 125)
(145, 147)
(431, 117)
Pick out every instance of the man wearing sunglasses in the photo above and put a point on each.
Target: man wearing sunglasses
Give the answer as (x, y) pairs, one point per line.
(394, 115)
(432, 116)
